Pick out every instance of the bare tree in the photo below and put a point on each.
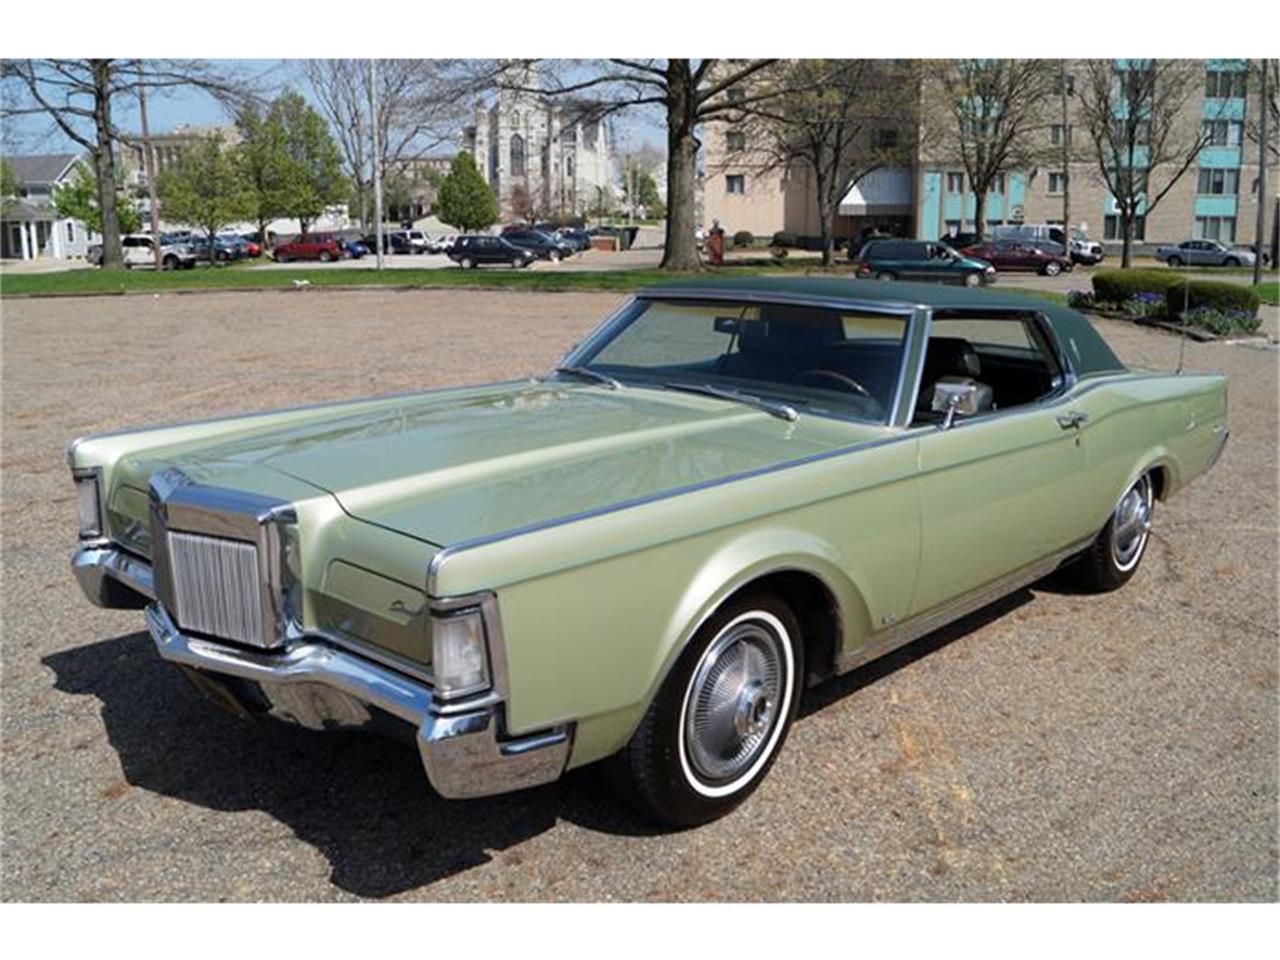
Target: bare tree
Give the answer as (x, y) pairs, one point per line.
(839, 119)
(421, 106)
(78, 96)
(1252, 126)
(688, 92)
(1143, 136)
(992, 111)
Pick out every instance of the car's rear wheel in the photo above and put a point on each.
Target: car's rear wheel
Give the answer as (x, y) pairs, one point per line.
(466, 263)
(169, 263)
(1113, 557)
(885, 275)
(721, 716)
(325, 256)
(1052, 268)
(1231, 262)
(1175, 261)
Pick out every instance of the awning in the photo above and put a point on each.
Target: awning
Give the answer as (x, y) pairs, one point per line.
(884, 192)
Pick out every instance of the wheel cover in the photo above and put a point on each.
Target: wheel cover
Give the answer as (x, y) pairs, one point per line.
(736, 699)
(1131, 524)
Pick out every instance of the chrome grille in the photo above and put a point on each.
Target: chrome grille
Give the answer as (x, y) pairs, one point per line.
(216, 586)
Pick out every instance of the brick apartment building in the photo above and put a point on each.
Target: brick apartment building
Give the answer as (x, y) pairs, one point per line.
(929, 196)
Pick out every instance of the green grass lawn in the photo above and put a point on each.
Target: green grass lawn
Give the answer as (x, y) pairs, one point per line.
(74, 282)
(1269, 292)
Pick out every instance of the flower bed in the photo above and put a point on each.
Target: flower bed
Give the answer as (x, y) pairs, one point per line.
(1168, 299)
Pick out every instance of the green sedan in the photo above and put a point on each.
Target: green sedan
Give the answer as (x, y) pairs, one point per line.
(730, 491)
(922, 260)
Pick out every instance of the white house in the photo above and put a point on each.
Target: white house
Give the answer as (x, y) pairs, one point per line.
(29, 223)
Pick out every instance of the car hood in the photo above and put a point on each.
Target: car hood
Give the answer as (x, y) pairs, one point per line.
(451, 467)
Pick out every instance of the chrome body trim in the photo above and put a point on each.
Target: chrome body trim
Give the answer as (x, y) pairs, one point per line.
(1224, 434)
(311, 684)
(97, 561)
(901, 634)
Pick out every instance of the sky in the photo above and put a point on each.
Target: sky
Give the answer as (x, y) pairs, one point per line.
(165, 111)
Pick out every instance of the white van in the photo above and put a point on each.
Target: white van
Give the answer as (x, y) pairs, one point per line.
(1082, 249)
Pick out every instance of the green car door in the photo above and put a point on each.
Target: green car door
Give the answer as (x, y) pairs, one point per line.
(999, 490)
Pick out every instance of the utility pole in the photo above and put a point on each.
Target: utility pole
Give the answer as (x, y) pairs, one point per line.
(1066, 157)
(1262, 180)
(377, 159)
(148, 167)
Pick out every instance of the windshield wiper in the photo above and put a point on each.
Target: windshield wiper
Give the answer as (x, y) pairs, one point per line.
(587, 374)
(779, 410)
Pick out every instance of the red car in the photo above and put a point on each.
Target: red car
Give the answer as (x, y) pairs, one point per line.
(317, 246)
(1009, 254)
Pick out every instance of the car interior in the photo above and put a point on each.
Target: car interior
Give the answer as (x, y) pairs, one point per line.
(1007, 357)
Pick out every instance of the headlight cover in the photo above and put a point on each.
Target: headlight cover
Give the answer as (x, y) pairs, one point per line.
(89, 504)
(458, 657)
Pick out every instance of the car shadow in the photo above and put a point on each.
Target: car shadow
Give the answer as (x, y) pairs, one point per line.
(359, 799)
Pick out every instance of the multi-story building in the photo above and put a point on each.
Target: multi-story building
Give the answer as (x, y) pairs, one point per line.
(543, 157)
(30, 226)
(930, 195)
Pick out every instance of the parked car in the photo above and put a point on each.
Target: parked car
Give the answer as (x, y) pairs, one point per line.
(316, 246)
(1205, 253)
(392, 242)
(474, 250)
(578, 239)
(1007, 254)
(216, 250)
(353, 249)
(921, 260)
(1082, 249)
(544, 245)
(412, 241)
(252, 246)
(138, 250)
(728, 492)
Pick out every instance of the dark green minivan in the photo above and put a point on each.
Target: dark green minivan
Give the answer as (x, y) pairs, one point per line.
(922, 260)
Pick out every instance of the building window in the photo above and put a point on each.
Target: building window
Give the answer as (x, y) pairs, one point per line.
(735, 183)
(1057, 182)
(1058, 84)
(1111, 227)
(1060, 134)
(517, 155)
(1224, 83)
(1222, 133)
(1216, 228)
(1219, 182)
(735, 141)
(955, 183)
(71, 232)
(887, 138)
(997, 184)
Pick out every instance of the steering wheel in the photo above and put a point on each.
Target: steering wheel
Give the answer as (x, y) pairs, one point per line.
(840, 378)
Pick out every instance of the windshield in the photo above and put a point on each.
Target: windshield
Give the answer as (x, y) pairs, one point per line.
(818, 359)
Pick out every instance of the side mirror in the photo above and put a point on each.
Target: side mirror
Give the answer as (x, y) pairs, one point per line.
(959, 396)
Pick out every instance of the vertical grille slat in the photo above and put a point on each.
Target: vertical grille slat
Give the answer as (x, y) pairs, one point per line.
(216, 586)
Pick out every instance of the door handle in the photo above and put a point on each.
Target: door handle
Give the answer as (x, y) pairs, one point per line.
(1072, 420)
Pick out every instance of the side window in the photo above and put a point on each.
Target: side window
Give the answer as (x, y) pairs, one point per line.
(1009, 357)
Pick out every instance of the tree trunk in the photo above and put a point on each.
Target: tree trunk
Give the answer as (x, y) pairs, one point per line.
(681, 250)
(980, 212)
(1126, 225)
(104, 162)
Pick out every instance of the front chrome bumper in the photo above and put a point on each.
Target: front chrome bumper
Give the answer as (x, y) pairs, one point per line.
(315, 684)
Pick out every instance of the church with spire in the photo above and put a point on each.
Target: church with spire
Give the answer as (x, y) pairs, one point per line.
(544, 157)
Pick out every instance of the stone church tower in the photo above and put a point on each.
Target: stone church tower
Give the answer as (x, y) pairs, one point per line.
(543, 157)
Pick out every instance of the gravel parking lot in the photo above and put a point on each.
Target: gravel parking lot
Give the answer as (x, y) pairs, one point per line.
(1054, 746)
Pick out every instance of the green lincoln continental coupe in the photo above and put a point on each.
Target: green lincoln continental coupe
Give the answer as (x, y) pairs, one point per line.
(731, 490)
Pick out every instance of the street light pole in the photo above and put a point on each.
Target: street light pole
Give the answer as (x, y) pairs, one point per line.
(148, 167)
(1262, 180)
(377, 160)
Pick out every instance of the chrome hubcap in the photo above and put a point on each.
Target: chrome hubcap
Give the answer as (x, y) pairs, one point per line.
(732, 703)
(1131, 524)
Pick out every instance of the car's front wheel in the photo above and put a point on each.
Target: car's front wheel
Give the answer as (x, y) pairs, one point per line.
(1113, 557)
(885, 275)
(720, 718)
(1175, 261)
(1231, 262)
(973, 279)
(554, 256)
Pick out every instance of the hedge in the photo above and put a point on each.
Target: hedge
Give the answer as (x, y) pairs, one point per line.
(744, 238)
(1117, 286)
(1215, 294)
(783, 239)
